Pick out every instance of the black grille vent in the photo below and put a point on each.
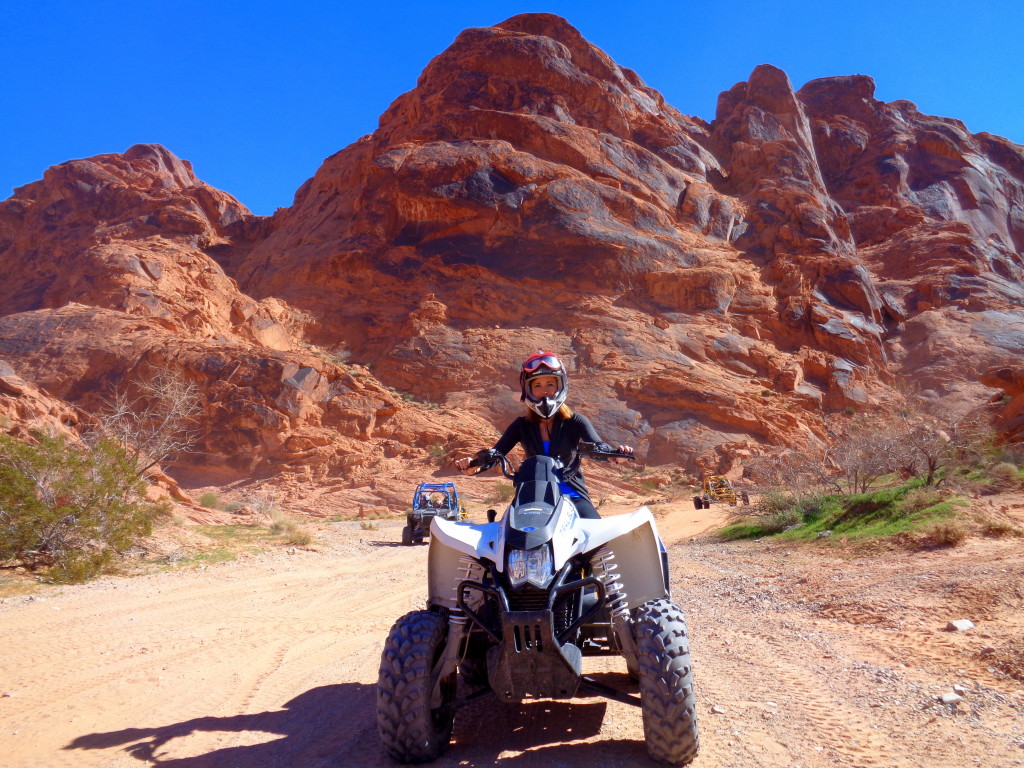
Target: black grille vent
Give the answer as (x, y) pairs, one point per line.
(528, 598)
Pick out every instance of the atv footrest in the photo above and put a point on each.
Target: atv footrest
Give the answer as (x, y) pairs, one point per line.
(529, 662)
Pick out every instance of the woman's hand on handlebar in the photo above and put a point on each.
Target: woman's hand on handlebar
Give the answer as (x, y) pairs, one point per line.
(622, 459)
(463, 466)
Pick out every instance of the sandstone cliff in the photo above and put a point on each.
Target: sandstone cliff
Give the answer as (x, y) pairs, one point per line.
(717, 289)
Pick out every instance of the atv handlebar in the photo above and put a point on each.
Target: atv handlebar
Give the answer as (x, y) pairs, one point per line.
(488, 457)
(603, 450)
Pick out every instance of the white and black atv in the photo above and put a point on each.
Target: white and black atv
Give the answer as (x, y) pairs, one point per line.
(513, 606)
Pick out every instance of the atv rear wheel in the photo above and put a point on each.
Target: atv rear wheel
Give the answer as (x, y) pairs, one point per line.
(666, 682)
(698, 503)
(412, 731)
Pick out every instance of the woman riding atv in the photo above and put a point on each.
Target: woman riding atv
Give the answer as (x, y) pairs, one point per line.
(550, 428)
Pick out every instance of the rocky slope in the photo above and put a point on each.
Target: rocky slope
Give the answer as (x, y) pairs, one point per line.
(718, 290)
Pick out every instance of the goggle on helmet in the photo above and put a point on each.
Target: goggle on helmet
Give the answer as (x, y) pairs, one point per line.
(543, 364)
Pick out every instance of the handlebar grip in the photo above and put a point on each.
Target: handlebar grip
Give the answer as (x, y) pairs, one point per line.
(603, 449)
(486, 458)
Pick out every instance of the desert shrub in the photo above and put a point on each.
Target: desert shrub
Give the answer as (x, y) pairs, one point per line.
(944, 533)
(264, 504)
(289, 527)
(772, 501)
(999, 527)
(503, 493)
(779, 521)
(811, 507)
(70, 509)
(780, 508)
(209, 500)
(299, 536)
(1005, 475)
(280, 522)
(919, 499)
(368, 526)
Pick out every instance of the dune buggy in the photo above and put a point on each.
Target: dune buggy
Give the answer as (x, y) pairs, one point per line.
(431, 500)
(719, 489)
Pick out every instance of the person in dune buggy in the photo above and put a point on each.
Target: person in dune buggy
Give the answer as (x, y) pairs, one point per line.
(550, 428)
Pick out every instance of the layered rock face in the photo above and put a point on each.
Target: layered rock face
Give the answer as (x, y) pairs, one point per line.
(818, 245)
(717, 290)
(109, 278)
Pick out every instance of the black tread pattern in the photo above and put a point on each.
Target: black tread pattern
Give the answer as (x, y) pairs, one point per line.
(410, 731)
(666, 682)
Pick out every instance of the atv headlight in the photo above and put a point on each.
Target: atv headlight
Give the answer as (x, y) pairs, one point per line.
(530, 565)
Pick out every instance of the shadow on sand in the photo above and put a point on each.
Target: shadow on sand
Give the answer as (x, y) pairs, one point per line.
(334, 726)
(315, 727)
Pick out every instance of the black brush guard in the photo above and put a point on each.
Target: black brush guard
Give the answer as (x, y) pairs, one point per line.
(529, 658)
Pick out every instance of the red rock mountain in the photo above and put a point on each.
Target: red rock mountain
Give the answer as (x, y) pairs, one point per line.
(718, 290)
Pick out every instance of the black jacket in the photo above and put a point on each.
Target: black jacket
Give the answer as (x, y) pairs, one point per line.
(566, 435)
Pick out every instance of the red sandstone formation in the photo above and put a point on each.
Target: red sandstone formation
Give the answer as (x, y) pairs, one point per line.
(718, 290)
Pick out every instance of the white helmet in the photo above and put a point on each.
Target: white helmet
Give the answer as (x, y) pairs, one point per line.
(543, 364)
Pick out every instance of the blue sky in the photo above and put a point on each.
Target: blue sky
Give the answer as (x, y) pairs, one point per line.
(256, 94)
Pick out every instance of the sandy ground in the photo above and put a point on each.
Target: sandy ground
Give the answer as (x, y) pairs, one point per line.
(803, 659)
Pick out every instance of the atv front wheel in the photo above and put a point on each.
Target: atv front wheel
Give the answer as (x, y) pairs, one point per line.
(412, 731)
(666, 682)
(407, 536)
(698, 503)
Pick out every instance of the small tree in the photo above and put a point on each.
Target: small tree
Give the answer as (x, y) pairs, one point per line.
(866, 452)
(153, 419)
(797, 473)
(73, 507)
(927, 442)
(68, 508)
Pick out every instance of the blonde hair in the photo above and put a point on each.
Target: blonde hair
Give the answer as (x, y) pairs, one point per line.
(563, 410)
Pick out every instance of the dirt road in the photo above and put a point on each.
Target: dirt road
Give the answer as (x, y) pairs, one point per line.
(802, 659)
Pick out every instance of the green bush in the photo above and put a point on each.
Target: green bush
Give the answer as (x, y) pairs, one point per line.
(300, 537)
(289, 527)
(777, 522)
(69, 510)
(886, 512)
(920, 499)
(1005, 475)
(209, 500)
(503, 493)
(772, 501)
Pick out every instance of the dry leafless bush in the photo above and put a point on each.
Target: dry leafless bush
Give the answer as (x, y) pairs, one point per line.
(999, 527)
(155, 418)
(265, 504)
